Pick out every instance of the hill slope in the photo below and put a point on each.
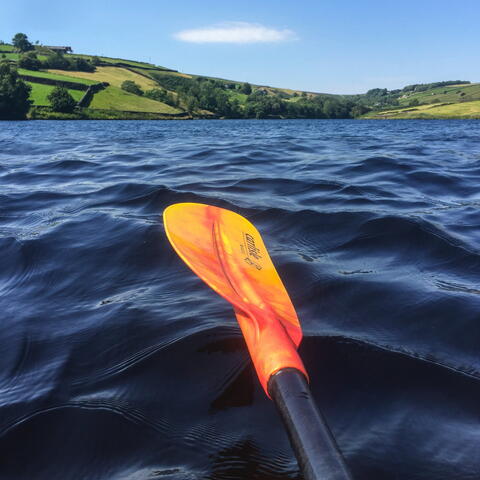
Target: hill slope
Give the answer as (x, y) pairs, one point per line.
(160, 92)
(457, 100)
(465, 110)
(165, 93)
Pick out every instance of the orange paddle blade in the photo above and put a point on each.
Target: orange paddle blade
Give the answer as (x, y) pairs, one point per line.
(227, 252)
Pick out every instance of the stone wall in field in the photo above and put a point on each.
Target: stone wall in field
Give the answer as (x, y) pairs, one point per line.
(84, 102)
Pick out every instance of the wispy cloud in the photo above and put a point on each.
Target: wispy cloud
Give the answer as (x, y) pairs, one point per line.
(235, 32)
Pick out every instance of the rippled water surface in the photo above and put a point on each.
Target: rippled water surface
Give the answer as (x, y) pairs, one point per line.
(118, 363)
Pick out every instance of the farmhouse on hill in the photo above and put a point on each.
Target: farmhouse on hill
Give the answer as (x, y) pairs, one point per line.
(60, 49)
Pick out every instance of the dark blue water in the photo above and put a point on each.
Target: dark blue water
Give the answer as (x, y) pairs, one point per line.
(116, 362)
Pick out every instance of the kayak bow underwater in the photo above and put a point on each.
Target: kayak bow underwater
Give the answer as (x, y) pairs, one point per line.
(226, 251)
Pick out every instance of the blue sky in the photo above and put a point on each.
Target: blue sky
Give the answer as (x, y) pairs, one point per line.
(324, 46)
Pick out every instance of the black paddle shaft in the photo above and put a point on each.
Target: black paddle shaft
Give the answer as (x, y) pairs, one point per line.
(315, 448)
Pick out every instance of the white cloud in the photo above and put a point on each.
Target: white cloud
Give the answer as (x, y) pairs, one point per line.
(235, 32)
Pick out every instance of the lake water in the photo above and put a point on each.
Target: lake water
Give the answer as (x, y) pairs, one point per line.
(118, 363)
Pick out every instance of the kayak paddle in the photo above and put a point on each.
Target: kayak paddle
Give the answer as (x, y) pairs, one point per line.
(226, 251)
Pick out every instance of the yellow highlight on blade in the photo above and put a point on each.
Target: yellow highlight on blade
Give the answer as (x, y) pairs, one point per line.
(226, 251)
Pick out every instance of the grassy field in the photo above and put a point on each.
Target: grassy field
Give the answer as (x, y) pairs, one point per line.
(40, 92)
(113, 75)
(9, 56)
(57, 75)
(449, 94)
(6, 48)
(114, 98)
(443, 111)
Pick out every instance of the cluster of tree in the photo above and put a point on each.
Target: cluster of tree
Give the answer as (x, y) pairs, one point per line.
(174, 82)
(381, 98)
(264, 106)
(246, 88)
(30, 61)
(161, 95)
(191, 95)
(57, 61)
(131, 87)
(14, 93)
(20, 42)
(206, 94)
(158, 94)
(215, 96)
(61, 100)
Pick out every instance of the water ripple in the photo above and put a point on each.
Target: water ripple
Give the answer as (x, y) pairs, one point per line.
(118, 363)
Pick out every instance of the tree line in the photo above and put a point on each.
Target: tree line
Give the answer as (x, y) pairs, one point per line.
(219, 97)
(57, 61)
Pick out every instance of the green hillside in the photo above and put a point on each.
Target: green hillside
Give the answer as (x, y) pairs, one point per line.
(114, 98)
(465, 110)
(450, 94)
(428, 101)
(113, 75)
(126, 88)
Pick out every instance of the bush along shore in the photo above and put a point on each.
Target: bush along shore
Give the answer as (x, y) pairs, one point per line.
(41, 82)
